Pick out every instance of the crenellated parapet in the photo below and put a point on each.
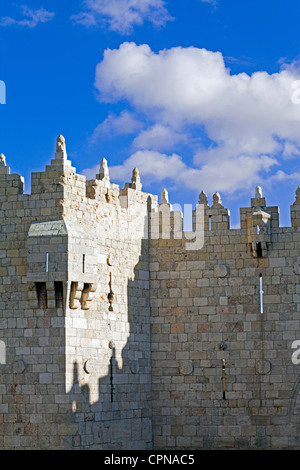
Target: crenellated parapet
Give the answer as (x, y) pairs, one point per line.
(259, 226)
(10, 184)
(4, 169)
(111, 312)
(60, 193)
(217, 217)
(100, 188)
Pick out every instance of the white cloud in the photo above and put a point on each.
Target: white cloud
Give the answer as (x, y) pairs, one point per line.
(31, 20)
(124, 124)
(156, 167)
(193, 85)
(249, 119)
(122, 15)
(158, 137)
(153, 166)
(290, 150)
(282, 176)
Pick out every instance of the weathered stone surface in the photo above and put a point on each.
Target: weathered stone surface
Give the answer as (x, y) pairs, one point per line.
(186, 367)
(113, 333)
(19, 367)
(221, 270)
(262, 367)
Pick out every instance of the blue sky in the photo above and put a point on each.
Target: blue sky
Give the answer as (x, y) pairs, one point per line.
(197, 94)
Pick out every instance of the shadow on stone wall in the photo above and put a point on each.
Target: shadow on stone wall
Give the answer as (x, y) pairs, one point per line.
(121, 418)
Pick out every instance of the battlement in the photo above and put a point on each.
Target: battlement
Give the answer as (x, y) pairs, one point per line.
(120, 330)
(60, 183)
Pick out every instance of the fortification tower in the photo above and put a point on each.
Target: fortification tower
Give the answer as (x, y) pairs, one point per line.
(75, 313)
(118, 330)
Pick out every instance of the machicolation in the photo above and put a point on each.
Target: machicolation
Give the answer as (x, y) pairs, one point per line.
(120, 331)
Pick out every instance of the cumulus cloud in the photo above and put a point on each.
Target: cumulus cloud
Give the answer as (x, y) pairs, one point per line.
(124, 124)
(290, 150)
(193, 85)
(31, 20)
(156, 167)
(122, 15)
(249, 120)
(159, 137)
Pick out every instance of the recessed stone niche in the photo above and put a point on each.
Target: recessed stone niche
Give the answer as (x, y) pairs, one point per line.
(297, 267)
(134, 367)
(221, 270)
(89, 366)
(263, 367)
(19, 367)
(186, 368)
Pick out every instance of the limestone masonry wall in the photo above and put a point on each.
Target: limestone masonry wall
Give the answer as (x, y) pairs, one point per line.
(120, 331)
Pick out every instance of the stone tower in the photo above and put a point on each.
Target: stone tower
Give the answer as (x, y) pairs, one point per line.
(120, 331)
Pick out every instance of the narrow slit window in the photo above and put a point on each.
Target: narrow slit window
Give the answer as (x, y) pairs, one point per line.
(41, 292)
(2, 353)
(83, 263)
(224, 378)
(209, 223)
(261, 293)
(259, 250)
(47, 262)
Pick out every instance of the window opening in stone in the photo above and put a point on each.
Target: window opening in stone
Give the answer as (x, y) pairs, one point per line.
(59, 294)
(47, 262)
(257, 229)
(224, 379)
(2, 353)
(209, 222)
(41, 292)
(83, 263)
(261, 293)
(259, 250)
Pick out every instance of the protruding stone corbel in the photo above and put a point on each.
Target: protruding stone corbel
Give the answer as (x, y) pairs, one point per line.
(50, 295)
(88, 296)
(75, 297)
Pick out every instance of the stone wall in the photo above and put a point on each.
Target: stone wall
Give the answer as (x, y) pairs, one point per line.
(74, 312)
(119, 331)
(206, 314)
